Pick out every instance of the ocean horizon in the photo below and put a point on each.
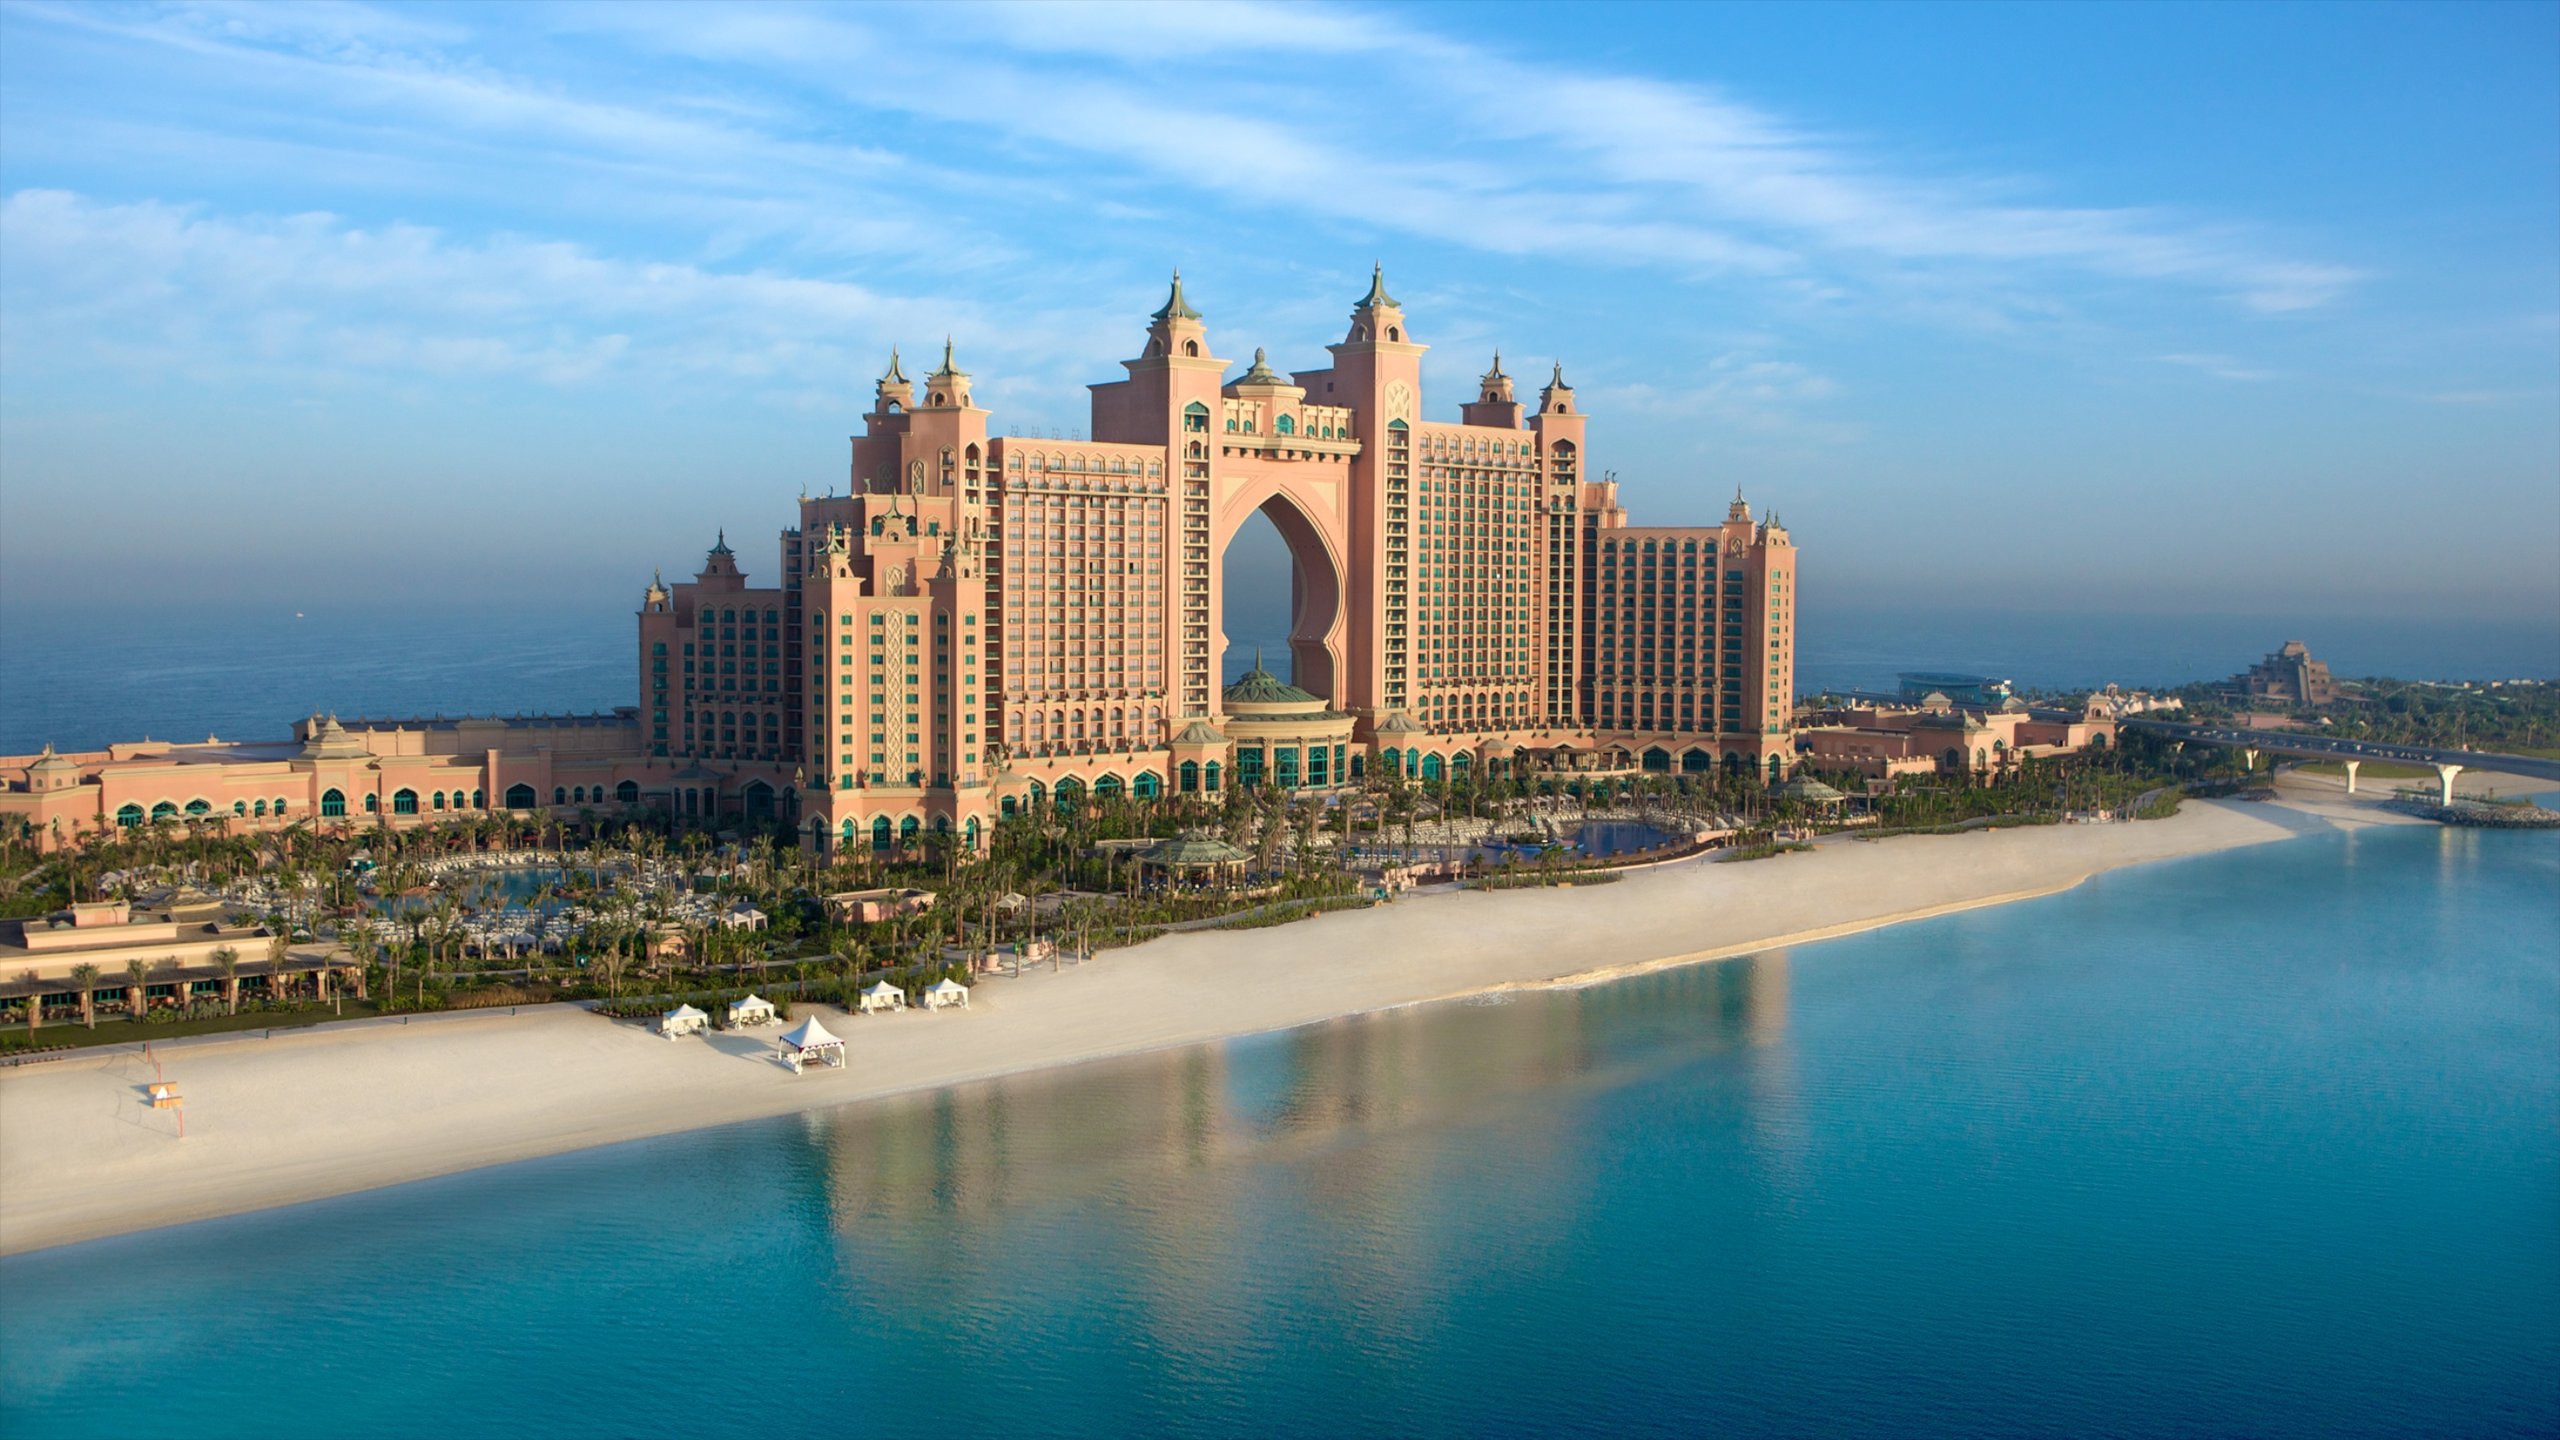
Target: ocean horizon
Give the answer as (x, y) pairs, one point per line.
(2259, 1142)
(248, 672)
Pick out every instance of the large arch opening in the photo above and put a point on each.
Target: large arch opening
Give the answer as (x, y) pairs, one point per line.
(1281, 597)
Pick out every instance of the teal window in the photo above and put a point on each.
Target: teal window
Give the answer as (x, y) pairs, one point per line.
(333, 803)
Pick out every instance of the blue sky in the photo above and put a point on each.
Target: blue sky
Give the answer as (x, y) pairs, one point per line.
(2164, 309)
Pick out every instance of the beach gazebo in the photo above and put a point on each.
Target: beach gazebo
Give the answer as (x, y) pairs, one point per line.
(883, 996)
(942, 994)
(1809, 792)
(810, 1044)
(683, 1020)
(754, 1010)
(1194, 857)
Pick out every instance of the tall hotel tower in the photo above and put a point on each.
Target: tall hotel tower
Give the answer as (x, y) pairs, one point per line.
(986, 622)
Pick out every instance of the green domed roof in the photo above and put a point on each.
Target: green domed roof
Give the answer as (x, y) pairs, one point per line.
(1258, 686)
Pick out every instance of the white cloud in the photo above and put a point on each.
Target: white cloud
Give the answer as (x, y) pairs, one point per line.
(2221, 367)
(169, 288)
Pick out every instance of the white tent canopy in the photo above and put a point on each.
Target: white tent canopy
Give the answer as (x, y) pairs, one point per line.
(682, 1020)
(945, 992)
(809, 1044)
(753, 1010)
(883, 996)
(810, 1035)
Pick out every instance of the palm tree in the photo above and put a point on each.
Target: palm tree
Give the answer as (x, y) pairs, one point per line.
(35, 1000)
(227, 961)
(85, 975)
(135, 972)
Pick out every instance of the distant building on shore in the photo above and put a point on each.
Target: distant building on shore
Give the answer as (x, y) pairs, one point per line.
(988, 622)
(1939, 737)
(1918, 686)
(2288, 676)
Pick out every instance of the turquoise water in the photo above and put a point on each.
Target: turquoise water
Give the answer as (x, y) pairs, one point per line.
(2265, 1143)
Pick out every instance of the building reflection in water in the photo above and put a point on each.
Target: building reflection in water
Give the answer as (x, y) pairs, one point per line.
(1354, 1131)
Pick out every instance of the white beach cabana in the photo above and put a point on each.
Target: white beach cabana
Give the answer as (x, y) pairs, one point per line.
(883, 996)
(944, 993)
(754, 1010)
(683, 1020)
(810, 1044)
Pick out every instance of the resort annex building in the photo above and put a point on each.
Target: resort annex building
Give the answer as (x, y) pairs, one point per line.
(985, 622)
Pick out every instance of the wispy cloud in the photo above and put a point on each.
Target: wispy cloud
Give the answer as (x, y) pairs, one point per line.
(2221, 367)
(742, 112)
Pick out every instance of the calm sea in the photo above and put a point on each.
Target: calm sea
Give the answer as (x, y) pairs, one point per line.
(2261, 1144)
(79, 678)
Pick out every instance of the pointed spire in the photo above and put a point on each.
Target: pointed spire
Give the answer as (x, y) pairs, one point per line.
(1378, 298)
(1558, 382)
(949, 370)
(1496, 372)
(895, 376)
(1261, 373)
(1175, 307)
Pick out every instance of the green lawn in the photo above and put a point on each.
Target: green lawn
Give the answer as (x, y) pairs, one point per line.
(123, 1029)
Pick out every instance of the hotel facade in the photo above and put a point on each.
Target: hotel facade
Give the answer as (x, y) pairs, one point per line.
(984, 622)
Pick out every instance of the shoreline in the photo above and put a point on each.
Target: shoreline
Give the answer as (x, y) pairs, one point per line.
(309, 1115)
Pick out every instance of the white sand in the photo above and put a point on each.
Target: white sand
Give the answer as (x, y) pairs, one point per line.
(316, 1113)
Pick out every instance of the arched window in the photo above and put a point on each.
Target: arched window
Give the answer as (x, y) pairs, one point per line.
(404, 801)
(880, 833)
(520, 797)
(259, 810)
(1191, 348)
(1146, 786)
(199, 807)
(279, 805)
(1284, 426)
(240, 807)
(372, 803)
(1188, 777)
(907, 831)
(478, 801)
(628, 792)
(333, 803)
(128, 815)
(969, 834)
(1210, 774)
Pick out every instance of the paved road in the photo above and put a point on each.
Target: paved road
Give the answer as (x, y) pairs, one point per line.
(2278, 742)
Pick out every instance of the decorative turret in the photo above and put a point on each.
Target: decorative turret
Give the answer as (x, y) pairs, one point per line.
(1377, 316)
(1175, 307)
(947, 388)
(1739, 512)
(656, 596)
(1557, 398)
(1261, 372)
(1175, 328)
(52, 772)
(895, 392)
(1494, 403)
(721, 563)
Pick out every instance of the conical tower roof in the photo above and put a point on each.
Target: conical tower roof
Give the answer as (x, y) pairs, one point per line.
(1378, 298)
(1175, 307)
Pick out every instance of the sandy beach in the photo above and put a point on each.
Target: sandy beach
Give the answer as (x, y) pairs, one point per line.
(309, 1114)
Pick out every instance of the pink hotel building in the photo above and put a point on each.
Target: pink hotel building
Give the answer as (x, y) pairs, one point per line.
(986, 622)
